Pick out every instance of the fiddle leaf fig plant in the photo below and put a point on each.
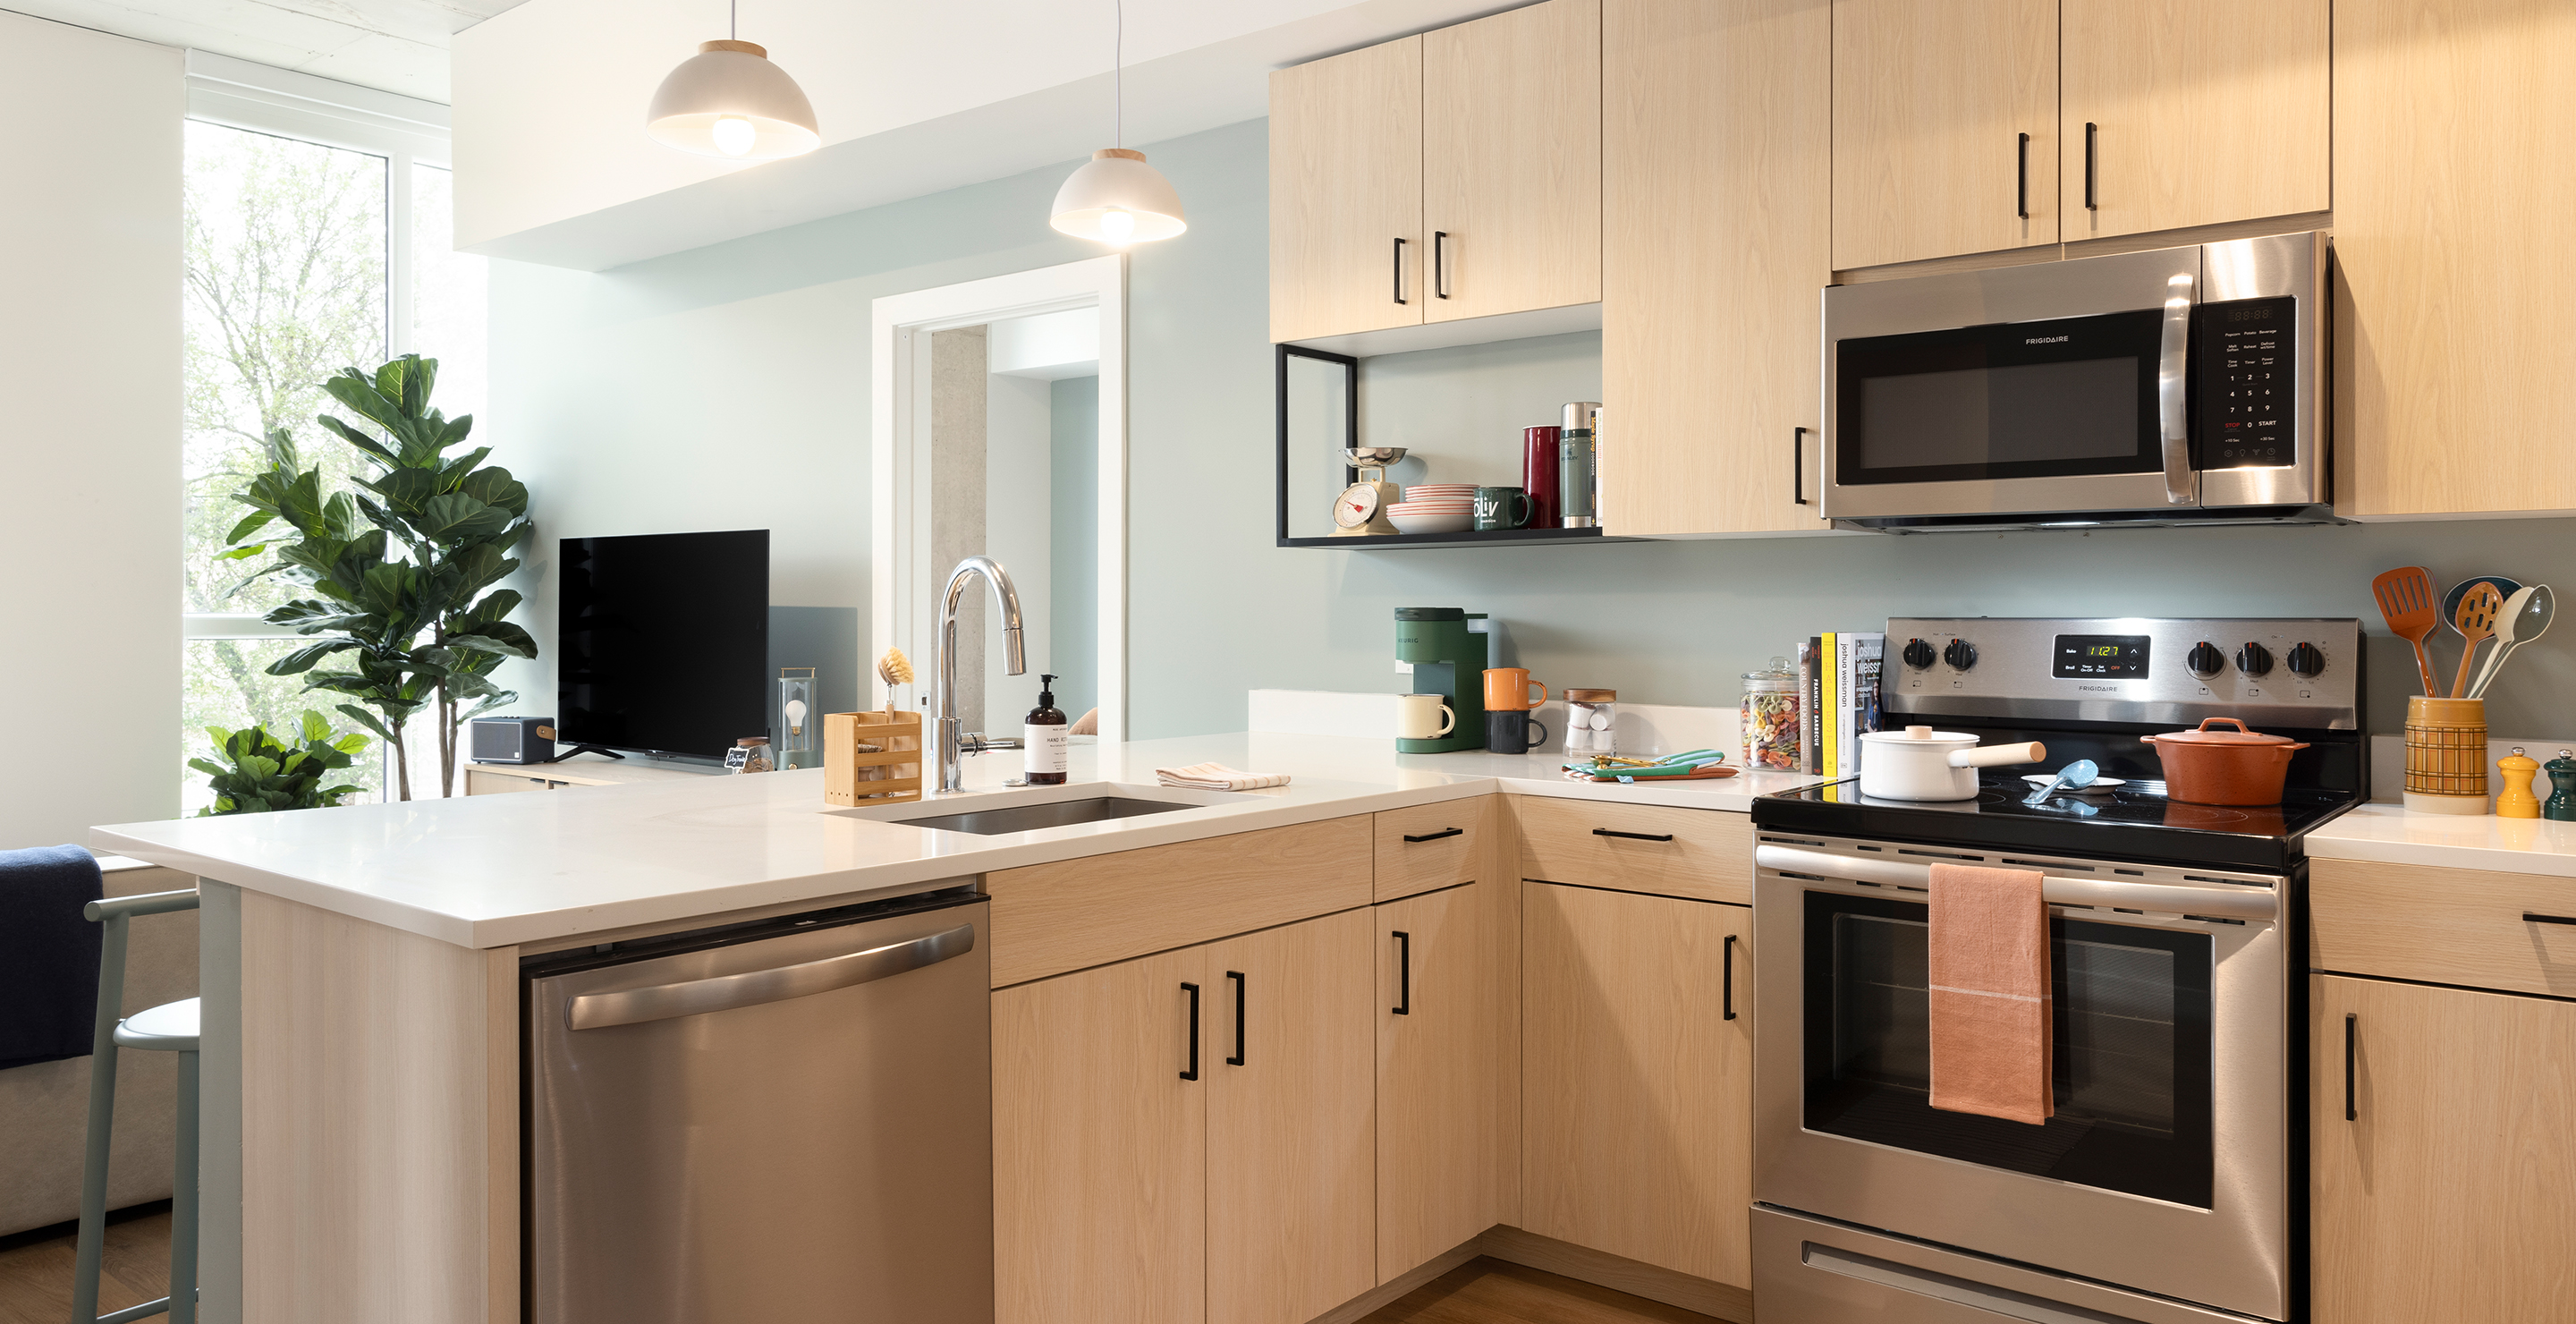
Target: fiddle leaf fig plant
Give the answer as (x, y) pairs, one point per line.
(260, 773)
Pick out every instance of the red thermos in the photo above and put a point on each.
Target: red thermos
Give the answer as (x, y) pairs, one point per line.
(1538, 474)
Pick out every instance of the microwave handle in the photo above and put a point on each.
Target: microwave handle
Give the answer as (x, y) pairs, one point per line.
(2172, 419)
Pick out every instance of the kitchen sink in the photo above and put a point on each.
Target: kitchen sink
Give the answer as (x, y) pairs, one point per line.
(1032, 818)
(1000, 812)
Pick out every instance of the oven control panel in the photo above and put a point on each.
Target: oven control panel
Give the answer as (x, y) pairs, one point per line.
(2285, 671)
(2244, 381)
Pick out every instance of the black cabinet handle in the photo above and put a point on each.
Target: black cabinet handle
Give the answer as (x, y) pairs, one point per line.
(1403, 973)
(2530, 918)
(2091, 131)
(1440, 264)
(2350, 1031)
(1399, 268)
(1730, 977)
(2021, 179)
(1193, 1072)
(1455, 832)
(1798, 465)
(1237, 977)
(1632, 836)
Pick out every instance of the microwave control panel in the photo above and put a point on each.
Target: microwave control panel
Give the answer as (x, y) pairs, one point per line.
(2245, 383)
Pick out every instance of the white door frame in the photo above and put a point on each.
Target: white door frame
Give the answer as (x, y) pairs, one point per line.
(904, 586)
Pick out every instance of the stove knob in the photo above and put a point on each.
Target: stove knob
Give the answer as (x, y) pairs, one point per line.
(2204, 660)
(1961, 654)
(2254, 659)
(2307, 660)
(1918, 654)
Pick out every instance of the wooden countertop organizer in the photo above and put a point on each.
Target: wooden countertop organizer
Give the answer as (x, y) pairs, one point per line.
(871, 758)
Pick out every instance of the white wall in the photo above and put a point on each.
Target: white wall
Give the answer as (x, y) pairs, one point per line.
(89, 429)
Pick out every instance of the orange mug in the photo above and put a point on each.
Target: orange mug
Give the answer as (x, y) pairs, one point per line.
(1507, 690)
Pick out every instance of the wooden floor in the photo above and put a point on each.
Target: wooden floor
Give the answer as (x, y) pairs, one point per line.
(36, 1277)
(1490, 1291)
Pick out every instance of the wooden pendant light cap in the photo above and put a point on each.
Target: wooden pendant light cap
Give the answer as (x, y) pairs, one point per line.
(745, 47)
(1123, 153)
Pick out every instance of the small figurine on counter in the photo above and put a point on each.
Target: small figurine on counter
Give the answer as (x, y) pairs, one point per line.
(2516, 799)
(2562, 775)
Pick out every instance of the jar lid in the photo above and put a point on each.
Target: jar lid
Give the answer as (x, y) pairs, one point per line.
(1919, 735)
(1592, 696)
(2202, 735)
(748, 742)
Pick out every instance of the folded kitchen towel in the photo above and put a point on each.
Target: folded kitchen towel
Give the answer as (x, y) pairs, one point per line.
(1217, 777)
(48, 954)
(1991, 1021)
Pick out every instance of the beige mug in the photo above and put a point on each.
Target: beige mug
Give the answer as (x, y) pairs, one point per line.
(1423, 717)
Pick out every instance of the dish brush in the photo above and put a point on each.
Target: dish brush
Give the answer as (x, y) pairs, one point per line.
(894, 669)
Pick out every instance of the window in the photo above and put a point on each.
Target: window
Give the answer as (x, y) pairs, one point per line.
(318, 238)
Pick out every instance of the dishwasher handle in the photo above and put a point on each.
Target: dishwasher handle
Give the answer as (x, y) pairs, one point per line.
(593, 1011)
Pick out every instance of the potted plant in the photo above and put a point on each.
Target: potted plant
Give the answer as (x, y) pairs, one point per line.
(260, 773)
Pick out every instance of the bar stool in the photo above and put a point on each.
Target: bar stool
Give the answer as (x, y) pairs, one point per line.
(168, 1028)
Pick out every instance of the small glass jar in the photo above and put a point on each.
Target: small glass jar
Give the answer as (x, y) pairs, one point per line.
(1591, 721)
(1770, 717)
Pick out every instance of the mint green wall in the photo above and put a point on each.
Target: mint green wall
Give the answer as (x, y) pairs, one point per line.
(727, 387)
(1073, 536)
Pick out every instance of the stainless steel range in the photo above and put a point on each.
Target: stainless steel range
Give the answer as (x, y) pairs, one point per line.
(2169, 1184)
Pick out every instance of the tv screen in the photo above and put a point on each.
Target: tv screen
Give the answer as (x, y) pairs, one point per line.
(663, 642)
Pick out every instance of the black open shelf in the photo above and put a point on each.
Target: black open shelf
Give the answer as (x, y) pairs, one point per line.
(1469, 538)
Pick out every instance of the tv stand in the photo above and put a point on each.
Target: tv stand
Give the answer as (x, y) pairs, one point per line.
(493, 778)
(561, 755)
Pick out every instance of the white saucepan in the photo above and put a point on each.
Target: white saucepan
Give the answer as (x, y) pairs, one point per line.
(1919, 763)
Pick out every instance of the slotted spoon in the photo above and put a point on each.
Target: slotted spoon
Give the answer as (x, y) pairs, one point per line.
(2407, 603)
(2526, 617)
(2476, 621)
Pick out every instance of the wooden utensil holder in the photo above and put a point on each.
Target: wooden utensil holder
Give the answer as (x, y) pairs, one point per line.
(897, 736)
(2446, 755)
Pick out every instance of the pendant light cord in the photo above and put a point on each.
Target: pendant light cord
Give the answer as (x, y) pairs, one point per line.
(733, 19)
(1118, 79)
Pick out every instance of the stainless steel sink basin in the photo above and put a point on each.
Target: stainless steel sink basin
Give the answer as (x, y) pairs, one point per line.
(1034, 817)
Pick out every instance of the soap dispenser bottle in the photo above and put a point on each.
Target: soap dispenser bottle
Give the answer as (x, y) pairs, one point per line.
(1047, 738)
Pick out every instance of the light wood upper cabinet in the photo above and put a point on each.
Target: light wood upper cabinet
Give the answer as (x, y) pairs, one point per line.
(1636, 1091)
(1291, 1121)
(1511, 161)
(1716, 136)
(2204, 111)
(1448, 1070)
(1345, 188)
(2450, 1193)
(2456, 296)
(1930, 102)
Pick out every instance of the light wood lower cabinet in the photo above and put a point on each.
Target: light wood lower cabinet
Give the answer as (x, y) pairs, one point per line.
(2450, 1191)
(1637, 1103)
(1448, 1070)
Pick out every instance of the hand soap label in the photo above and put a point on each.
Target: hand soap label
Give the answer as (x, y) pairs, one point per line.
(1044, 748)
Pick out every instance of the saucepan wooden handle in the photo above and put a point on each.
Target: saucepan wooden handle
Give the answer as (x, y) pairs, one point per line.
(1996, 756)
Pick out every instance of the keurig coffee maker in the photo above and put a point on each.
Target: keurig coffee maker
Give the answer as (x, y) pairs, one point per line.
(1448, 659)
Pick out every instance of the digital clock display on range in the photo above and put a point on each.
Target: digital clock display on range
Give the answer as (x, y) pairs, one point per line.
(2119, 656)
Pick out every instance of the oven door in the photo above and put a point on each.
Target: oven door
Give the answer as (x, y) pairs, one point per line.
(2166, 1168)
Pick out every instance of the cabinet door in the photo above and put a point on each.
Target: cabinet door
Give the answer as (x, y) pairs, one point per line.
(1930, 102)
(1346, 250)
(2450, 1192)
(1637, 1102)
(1511, 161)
(1099, 1146)
(2203, 111)
(1715, 169)
(2458, 295)
(1292, 1104)
(1448, 1070)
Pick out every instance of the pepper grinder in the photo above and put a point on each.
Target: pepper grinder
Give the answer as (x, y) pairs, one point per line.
(2562, 775)
(2516, 799)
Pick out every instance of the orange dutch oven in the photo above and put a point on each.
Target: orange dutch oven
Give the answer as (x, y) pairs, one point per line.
(2238, 767)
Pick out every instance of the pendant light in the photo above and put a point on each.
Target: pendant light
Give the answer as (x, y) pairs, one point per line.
(1115, 197)
(729, 101)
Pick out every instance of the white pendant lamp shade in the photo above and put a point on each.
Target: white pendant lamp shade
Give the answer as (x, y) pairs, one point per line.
(729, 101)
(1118, 199)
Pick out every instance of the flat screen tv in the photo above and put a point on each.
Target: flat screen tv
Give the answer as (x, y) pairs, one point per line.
(662, 642)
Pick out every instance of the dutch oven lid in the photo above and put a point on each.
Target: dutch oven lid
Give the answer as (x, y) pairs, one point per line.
(2204, 736)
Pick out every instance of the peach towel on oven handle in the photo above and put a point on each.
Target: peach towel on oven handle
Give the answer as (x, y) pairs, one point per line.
(1991, 1021)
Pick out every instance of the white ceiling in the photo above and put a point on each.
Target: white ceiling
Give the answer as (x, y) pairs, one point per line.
(392, 45)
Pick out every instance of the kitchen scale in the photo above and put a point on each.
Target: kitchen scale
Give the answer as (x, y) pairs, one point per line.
(1360, 509)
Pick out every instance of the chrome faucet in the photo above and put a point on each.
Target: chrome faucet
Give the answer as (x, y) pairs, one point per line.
(1015, 658)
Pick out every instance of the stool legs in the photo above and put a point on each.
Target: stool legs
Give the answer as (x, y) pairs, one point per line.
(102, 1119)
(183, 1201)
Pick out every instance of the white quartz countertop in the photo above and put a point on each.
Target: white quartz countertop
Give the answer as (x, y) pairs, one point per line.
(2387, 834)
(497, 870)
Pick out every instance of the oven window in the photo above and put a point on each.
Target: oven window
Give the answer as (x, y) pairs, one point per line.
(2069, 397)
(2132, 1050)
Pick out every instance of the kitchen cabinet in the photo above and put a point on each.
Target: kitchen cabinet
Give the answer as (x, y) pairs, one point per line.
(1432, 846)
(1346, 193)
(1695, 853)
(1930, 107)
(1511, 161)
(1636, 1087)
(1448, 1069)
(2448, 1190)
(1716, 141)
(2456, 294)
(2201, 111)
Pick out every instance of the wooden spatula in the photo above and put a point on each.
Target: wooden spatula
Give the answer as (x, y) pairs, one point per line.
(2476, 622)
(2413, 612)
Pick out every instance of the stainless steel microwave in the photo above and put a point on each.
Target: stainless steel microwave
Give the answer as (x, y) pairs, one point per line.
(2179, 385)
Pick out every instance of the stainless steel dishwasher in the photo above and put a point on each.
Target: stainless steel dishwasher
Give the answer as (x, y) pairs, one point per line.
(785, 1119)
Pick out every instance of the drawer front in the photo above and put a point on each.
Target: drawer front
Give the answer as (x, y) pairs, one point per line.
(1435, 846)
(2443, 926)
(1051, 918)
(1703, 854)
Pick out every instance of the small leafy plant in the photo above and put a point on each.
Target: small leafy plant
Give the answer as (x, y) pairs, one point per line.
(259, 773)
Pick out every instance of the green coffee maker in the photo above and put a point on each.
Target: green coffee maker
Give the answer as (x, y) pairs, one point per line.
(1448, 659)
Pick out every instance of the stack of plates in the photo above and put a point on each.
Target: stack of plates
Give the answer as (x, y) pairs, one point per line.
(1433, 510)
(1440, 493)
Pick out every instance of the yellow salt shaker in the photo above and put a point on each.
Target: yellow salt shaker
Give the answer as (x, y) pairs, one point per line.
(2516, 799)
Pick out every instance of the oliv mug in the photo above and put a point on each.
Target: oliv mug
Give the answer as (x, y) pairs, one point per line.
(1507, 690)
(1423, 717)
(1502, 508)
